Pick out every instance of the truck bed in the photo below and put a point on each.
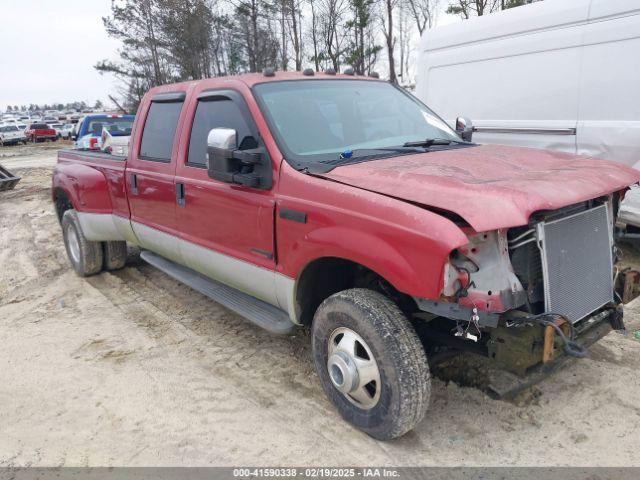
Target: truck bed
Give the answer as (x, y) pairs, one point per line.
(97, 177)
(88, 155)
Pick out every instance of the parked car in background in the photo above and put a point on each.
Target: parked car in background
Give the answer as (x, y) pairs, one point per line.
(22, 126)
(76, 127)
(50, 119)
(553, 74)
(58, 128)
(115, 140)
(10, 134)
(345, 205)
(37, 132)
(89, 132)
(66, 131)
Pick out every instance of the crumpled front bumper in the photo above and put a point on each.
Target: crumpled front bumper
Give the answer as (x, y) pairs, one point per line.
(505, 384)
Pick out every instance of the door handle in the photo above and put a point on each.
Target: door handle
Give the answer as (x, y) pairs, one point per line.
(134, 184)
(180, 194)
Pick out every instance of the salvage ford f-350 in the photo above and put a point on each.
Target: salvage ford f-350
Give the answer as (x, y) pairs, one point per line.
(343, 204)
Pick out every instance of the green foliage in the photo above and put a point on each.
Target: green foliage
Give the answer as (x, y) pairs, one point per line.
(360, 51)
(514, 3)
(469, 8)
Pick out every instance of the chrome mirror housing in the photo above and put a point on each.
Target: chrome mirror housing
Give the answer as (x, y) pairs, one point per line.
(222, 138)
(464, 128)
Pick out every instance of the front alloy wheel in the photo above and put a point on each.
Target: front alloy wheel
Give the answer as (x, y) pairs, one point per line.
(353, 369)
(370, 362)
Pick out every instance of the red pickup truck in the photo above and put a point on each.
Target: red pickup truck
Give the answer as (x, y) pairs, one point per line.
(343, 204)
(40, 131)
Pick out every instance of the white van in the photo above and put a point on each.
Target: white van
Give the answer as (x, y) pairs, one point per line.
(560, 74)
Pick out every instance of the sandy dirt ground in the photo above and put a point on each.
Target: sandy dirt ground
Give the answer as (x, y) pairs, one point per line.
(133, 368)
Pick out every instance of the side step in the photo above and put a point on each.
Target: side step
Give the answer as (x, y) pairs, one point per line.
(261, 313)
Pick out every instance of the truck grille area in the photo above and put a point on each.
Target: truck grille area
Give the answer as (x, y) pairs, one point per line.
(577, 258)
(527, 265)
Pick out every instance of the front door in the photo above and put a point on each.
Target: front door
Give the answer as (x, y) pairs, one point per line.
(227, 230)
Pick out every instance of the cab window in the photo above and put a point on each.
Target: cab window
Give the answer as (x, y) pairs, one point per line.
(213, 114)
(159, 131)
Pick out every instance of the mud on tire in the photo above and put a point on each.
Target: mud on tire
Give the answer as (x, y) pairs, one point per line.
(115, 255)
(85, 256)
(405, 384)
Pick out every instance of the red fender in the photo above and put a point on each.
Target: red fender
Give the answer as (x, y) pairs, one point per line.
(85, 186)
(404, 243)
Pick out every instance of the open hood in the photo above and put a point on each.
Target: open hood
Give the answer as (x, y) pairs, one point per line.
(489, 186)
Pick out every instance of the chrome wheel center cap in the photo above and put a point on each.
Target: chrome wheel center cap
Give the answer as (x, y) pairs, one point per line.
(343, 372)
(352, 369)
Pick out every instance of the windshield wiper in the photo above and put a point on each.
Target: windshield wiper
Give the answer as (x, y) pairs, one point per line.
(352, 155)
(349, 156)
(430, 142)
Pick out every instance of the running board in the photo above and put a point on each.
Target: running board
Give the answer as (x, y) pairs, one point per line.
(261, 313)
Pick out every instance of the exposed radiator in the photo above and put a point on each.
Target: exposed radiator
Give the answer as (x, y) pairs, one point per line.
(577, 261)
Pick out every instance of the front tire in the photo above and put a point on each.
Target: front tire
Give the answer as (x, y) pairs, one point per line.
(85, 256)
(371, 363)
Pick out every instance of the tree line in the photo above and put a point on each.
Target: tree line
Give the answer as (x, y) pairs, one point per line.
(164, 41)
(78, 106)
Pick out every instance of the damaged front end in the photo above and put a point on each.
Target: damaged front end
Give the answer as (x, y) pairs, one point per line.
(527, 296)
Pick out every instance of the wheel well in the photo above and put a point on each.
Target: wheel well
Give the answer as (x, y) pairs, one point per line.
(325, 276)
(62, 202)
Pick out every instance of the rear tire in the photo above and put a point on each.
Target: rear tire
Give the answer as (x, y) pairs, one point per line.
(115, 255)
(85, 256)
(383, 346)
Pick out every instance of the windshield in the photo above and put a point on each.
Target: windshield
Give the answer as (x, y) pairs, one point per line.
(318, 120)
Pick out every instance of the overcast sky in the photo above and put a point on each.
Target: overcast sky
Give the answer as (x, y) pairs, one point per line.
(49, 48)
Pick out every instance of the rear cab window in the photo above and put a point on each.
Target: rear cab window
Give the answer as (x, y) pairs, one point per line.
(160, 127)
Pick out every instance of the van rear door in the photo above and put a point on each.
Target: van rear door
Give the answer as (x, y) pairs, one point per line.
(609, 120)
(514, 73)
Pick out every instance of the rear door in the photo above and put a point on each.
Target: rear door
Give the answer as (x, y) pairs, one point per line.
(227, 230)
(150, 176)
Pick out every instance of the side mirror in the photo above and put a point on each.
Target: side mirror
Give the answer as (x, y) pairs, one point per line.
(464, 128)
(226, 163)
